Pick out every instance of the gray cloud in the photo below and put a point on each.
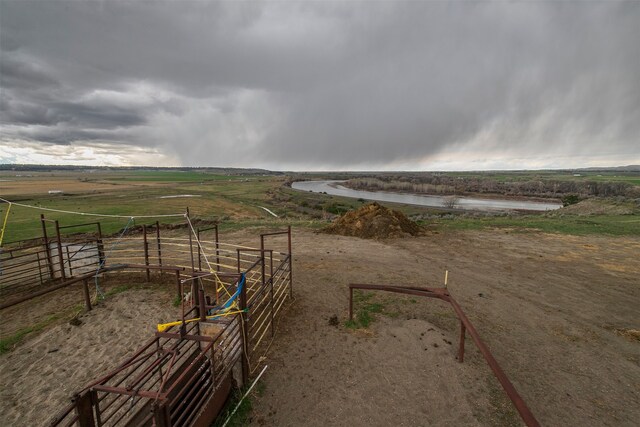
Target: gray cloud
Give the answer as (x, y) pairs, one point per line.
(353, 84)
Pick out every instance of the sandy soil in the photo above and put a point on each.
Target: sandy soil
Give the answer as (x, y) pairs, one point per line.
(39, 377)
(547, 305)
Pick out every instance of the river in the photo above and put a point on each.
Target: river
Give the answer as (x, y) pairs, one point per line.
(471, 203)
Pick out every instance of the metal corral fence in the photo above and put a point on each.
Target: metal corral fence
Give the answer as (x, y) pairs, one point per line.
(180, 378)
(183, 376)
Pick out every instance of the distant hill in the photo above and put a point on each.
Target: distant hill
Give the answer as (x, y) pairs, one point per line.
(629, 168)
(213, 170)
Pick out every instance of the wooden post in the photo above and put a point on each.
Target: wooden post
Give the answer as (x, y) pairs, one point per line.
(158, 243)
(146, 251)
(350, 303)
(217, 249)
(100, 246)
(461, 347)
(60, 254)
(290, 263)
(87, 298)
(46, 246)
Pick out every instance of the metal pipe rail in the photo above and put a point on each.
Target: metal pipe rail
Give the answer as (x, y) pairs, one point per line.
(465, 324)
(86, 276)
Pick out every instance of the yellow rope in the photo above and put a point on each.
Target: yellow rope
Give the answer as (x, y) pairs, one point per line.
(211, 270)
(4, 225)
(164, 326)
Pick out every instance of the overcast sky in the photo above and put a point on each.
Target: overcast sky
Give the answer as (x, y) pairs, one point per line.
(421, 85)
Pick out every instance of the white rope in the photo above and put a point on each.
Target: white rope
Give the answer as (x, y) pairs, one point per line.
(211, 269)
(200, 246)
(91, 214)
(245, 395)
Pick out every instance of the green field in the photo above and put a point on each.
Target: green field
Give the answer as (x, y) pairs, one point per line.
(236, 200)
(614, 225)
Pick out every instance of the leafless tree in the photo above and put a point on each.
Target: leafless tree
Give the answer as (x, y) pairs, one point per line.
(450, 202)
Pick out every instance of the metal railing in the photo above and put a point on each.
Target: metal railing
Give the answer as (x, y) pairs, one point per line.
(183, 375)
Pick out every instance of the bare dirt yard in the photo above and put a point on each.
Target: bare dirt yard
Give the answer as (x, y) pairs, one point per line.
(553, 309)
(550, 307)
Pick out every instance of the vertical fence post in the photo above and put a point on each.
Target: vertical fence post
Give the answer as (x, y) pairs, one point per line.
(201, 303)
(199, 250)
(350, 303)
(262, 262)
(84, 409)
(290, 263)
(100, 245)
(193, 266)
(461, 347)
(161, 414)
(273, 326)
(39, 267)
(146, 251)
(87, 298)
(246, 340)
(96, 403)
(158, 243)
(69, 261)
(60, 254)
(217, 249)
(46, 246)
(178, 287)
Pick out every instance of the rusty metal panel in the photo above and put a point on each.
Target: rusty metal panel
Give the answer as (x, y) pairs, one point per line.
(212, 407)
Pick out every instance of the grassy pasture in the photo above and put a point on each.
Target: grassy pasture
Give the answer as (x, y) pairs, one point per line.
(233, 198)
(236, 201)
(614, 225)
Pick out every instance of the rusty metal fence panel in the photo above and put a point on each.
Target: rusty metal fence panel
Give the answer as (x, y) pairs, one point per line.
(183, 375)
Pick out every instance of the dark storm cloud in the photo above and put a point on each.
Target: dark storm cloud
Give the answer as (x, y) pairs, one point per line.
(23, 74)
(361, 84)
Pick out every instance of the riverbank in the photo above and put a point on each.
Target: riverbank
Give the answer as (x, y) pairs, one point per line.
(335, 188)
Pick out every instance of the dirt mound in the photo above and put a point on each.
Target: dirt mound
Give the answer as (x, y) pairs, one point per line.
(373, 221)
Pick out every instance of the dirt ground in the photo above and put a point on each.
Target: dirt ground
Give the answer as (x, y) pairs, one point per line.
(548, 306)
(22, 186)
(39, 377)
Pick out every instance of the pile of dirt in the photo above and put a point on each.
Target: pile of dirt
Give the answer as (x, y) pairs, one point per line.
(373, 221)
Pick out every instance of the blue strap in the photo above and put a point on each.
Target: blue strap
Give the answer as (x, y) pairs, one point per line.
(230, 301)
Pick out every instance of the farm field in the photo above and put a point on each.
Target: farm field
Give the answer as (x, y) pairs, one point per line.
(238, 200)
(553, 295)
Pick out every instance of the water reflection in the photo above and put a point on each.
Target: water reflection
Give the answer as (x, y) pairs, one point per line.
(334, 188)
